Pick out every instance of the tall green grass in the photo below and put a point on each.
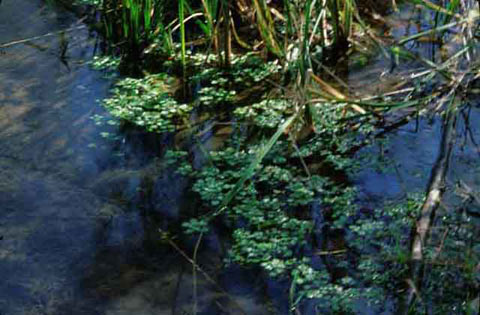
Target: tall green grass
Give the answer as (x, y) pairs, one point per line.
(181, 18)
(133, 23)
(141, 22)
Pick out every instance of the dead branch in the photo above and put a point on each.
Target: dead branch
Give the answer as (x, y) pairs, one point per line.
(432, 201)
(26, 40)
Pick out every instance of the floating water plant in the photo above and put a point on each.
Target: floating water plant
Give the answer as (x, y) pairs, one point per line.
(210, 96)
(147, 102)
(267, 113)
(109, 63)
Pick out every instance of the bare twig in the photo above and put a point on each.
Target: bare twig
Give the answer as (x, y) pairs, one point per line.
(194, 273)
(30, 39)
(198, 268)
(432, 201)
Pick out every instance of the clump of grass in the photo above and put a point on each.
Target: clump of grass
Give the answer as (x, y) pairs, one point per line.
(131, 23)
(282, 29)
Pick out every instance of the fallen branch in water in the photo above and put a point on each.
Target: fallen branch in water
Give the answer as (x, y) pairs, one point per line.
(432, 201)
(30, 39)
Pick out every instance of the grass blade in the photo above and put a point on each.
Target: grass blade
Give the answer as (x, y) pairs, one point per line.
(250, 171)
(181, 17)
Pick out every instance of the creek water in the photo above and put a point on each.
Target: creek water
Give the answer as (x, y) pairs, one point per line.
(82, 200)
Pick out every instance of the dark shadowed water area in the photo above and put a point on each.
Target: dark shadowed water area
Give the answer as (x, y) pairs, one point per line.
(82, 202)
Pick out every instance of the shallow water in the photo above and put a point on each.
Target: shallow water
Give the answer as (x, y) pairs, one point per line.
(80, 212)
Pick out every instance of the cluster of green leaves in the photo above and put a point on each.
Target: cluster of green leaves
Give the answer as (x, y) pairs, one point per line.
(271, 216)
(262, 229)
(109, 63)
(268, 230)
(377, 242)
(245, 70)
(212, 95)
(96, 3)
(147, 102)
(266, 114)
(249, 69)
(220, 86)
(341, 297)
(381, 237)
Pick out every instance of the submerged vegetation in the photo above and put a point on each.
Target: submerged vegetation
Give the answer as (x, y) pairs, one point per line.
(282, 183)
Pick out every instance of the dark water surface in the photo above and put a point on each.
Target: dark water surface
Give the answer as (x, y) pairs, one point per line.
(80, 209)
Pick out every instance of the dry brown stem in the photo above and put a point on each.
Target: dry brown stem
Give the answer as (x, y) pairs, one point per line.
(432, 202)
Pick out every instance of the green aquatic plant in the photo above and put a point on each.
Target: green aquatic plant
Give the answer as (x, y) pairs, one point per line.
(147, 102)
(265, 114)
(220, 87)
(96, 3)
(109, 63)
(268, 232)
(212, 95)
(245, 70)
(266, 201)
